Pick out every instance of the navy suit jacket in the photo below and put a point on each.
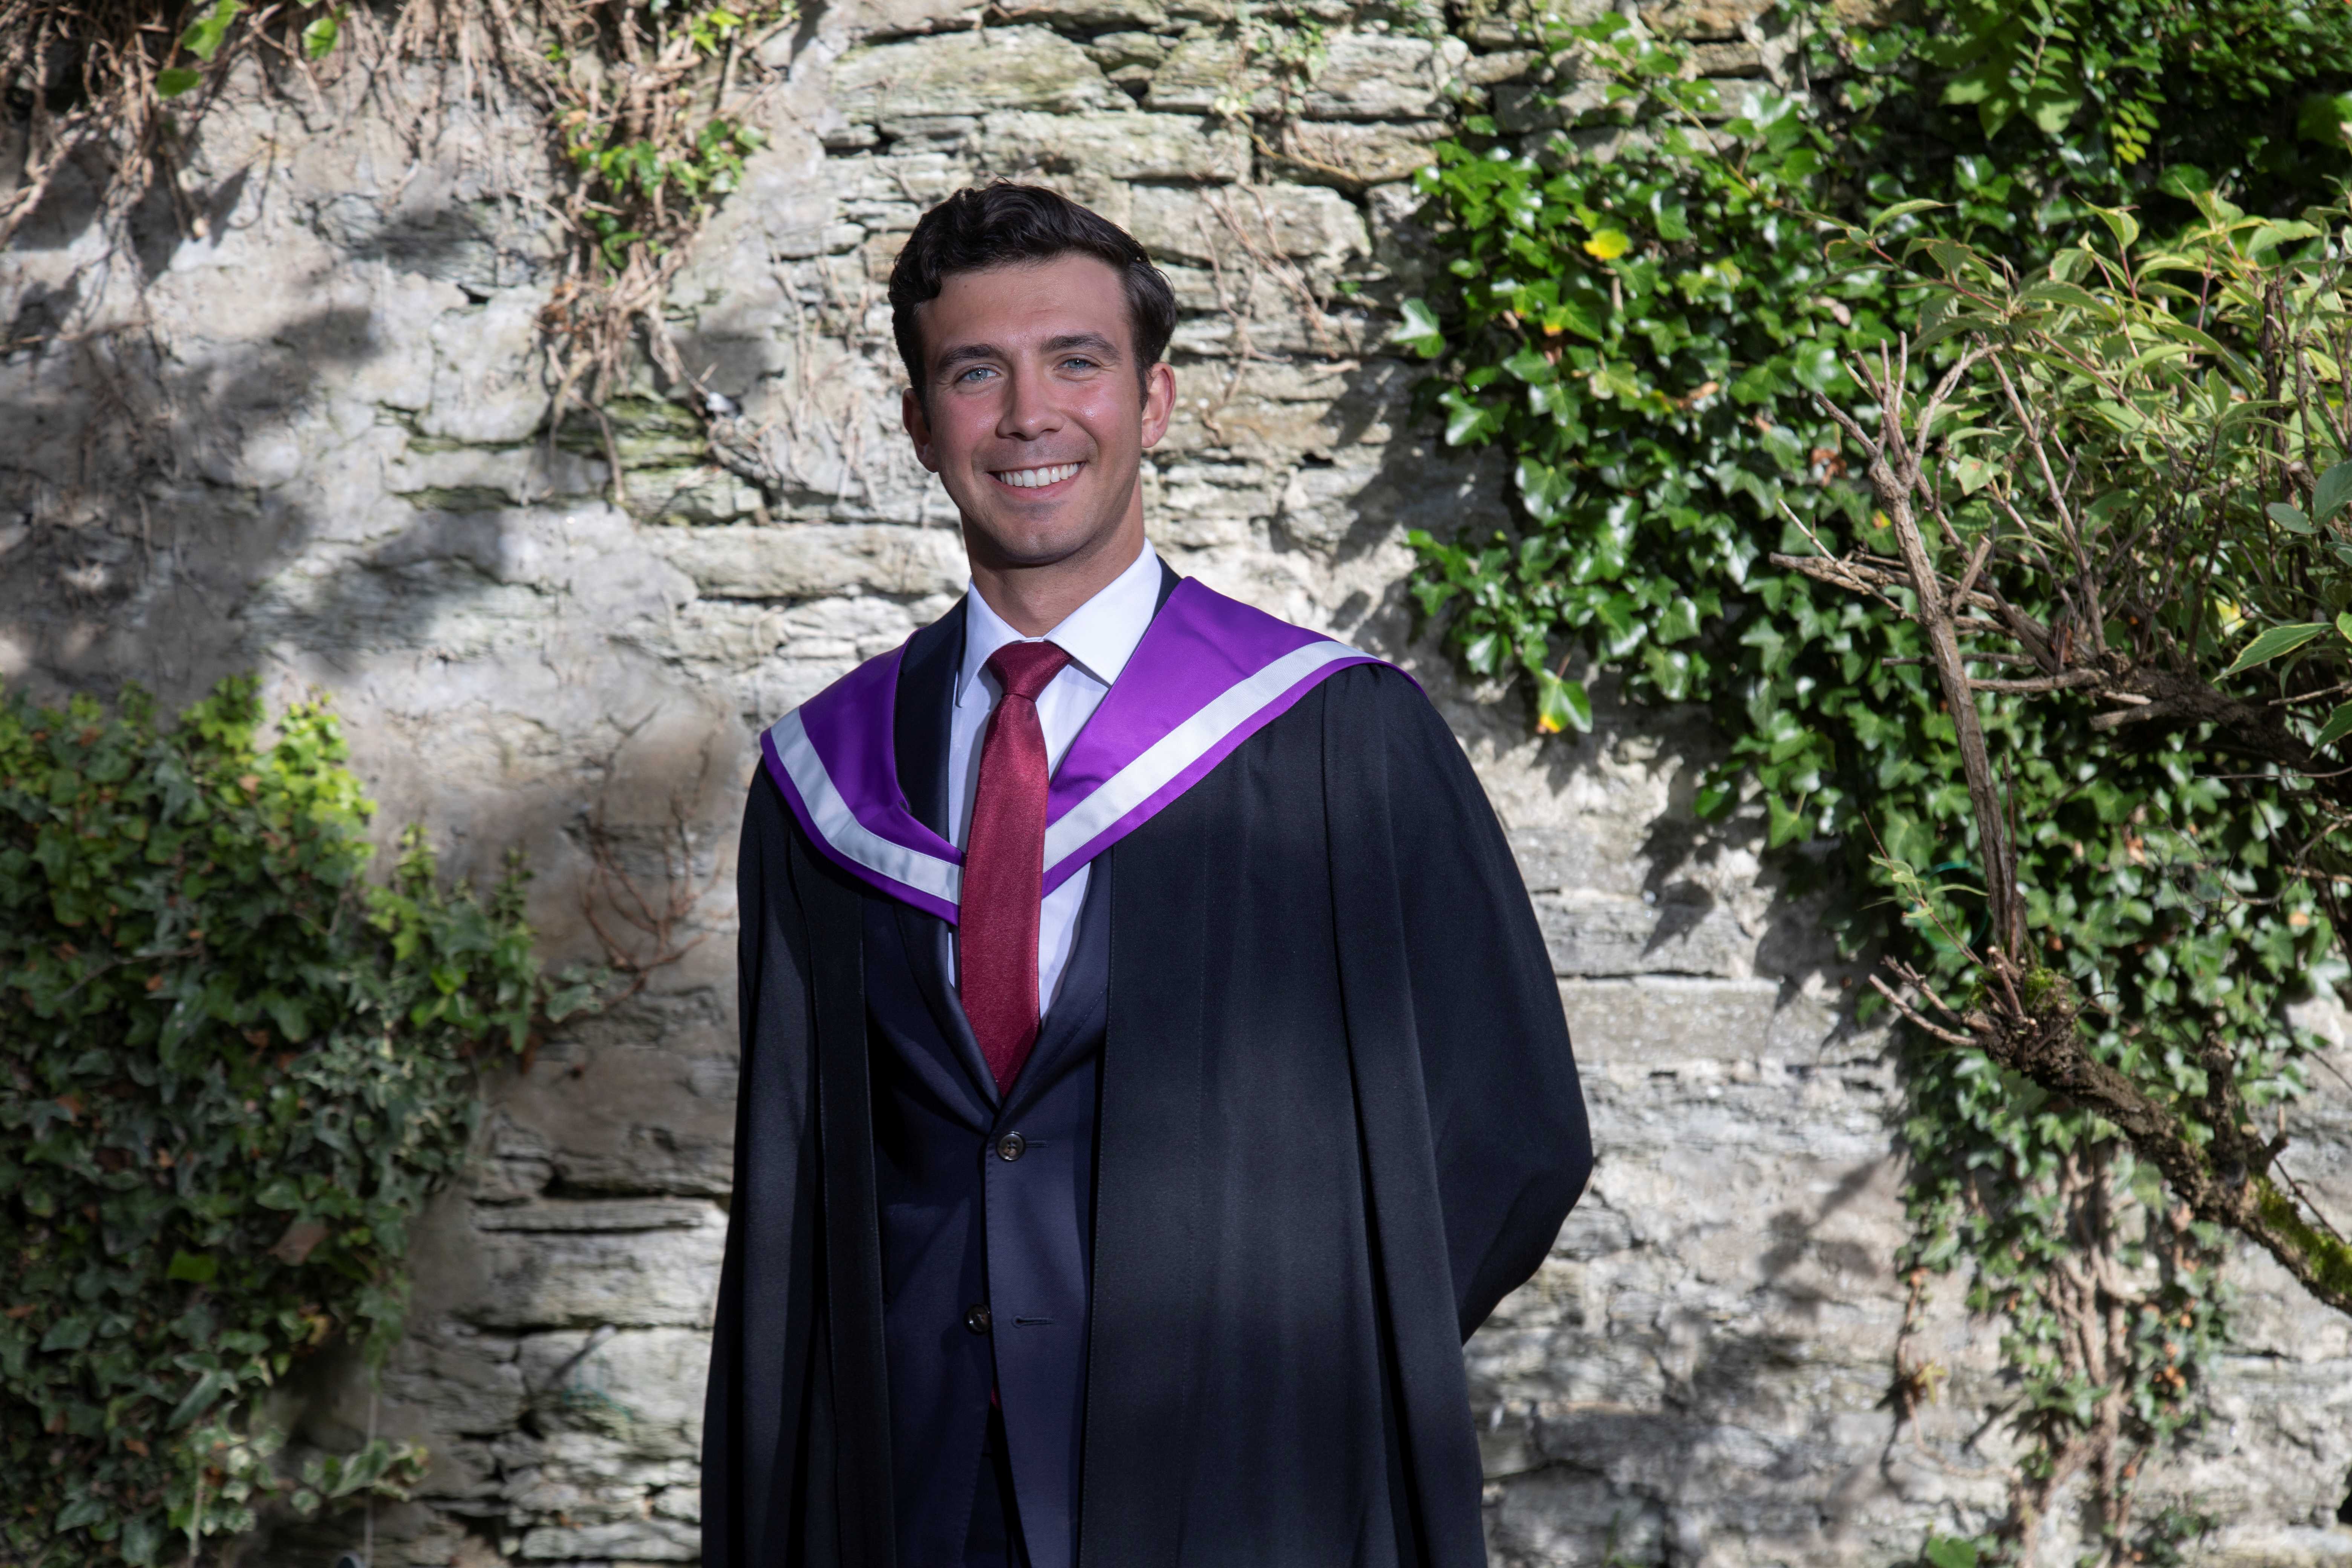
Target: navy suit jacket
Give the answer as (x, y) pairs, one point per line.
(986, 1258)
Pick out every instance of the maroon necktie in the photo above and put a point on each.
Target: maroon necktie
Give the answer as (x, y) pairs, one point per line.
(1005, 864)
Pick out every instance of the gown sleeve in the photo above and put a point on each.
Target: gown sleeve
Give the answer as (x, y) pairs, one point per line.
(1505, 1114)
(759, 1353)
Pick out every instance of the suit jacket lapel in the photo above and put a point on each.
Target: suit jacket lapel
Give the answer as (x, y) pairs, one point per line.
(918, 721)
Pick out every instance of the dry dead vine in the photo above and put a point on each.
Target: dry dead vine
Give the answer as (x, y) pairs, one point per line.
(649, 111)
(2024, 1015)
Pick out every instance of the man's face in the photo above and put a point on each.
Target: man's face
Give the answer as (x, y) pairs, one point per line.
(1034, 419)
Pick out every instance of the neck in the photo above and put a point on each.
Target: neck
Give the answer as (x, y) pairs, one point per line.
(1035, 599)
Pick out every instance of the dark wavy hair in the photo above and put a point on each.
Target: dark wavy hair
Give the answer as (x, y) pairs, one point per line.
(1005, 225)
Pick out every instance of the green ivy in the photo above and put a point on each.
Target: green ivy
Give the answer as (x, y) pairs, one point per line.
(709, 165)
(231, 1071)
(1641, 313)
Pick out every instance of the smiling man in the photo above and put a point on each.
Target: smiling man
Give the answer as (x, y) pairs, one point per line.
(1151, 1070)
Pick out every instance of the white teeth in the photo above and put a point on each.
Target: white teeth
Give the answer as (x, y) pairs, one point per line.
(1031, 478)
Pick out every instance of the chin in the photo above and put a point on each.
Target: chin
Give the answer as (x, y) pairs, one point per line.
(1018, 544)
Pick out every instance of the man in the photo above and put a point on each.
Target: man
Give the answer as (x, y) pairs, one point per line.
(1151, 1066)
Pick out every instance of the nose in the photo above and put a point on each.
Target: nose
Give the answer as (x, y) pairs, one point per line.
(1029, 410)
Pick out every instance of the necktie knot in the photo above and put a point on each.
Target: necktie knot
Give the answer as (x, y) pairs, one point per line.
(1025, 668)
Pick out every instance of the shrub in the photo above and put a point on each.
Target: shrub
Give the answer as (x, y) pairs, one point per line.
(232, 1070)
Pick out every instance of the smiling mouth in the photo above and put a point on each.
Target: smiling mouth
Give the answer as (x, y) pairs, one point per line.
(1035, 479)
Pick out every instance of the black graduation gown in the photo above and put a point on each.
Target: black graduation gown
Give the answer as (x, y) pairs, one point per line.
(1339, 1120)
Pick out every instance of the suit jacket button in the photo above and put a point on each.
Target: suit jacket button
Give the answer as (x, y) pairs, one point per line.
(975, 1318)
(1009, 1147)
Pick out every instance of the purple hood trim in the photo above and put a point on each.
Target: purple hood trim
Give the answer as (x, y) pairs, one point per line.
(1210, 673)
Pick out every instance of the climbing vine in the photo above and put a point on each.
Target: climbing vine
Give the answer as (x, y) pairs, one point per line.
(1643, 315)
(232, 1069)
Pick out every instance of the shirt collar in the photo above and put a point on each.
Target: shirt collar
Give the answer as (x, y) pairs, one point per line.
(1100, 636)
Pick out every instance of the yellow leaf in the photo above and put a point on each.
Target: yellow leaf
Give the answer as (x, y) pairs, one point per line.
(1880, 520)
(1607, 245)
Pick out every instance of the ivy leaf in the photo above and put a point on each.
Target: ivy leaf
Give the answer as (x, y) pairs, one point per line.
(199, 1398)
(80, 1514)
(1785, 823)
(1816, 366)
(194, 1267)
(1544, 491)
(1581, 311)
(1561, 705)
(1617, 381)
(320, 35)
(203, 36)
(1419, 330)
(1608, 244)
(2274, 642)
(174, 81)
(289, 1014)
(1468, 421)
(1950, 1552)
(68, 1333)
(1530, 365)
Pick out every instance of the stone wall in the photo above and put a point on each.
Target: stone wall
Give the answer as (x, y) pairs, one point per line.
(295, 425)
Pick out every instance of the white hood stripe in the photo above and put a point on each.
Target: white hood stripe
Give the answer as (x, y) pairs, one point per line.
(839, 826)
(1165, 759)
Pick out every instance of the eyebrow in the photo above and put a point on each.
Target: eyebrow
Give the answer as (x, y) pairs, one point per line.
(967, 353)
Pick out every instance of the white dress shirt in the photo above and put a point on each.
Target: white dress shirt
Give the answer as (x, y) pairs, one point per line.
(1100, 636)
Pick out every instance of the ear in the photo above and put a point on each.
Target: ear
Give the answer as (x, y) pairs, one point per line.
(1158, 402)
(918, 427)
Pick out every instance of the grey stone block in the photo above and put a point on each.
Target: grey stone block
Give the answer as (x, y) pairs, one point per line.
(806, 561)
(1200, 73)
(968, 74)
(1597, 936)
(640, 1388)
(1117, 51)
(641, 1541)
(1350, 154)
(1377, 75)
(1088, 15)
(1114, 146)
(1282, 221)
(540, 1280)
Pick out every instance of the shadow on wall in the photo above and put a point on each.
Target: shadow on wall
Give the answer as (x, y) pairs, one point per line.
(153, 480)
(1698, 1431)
